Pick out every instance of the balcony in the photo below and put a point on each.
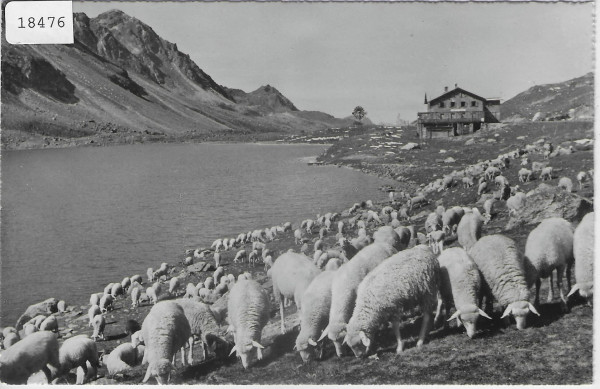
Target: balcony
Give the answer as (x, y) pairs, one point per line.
(451, 117)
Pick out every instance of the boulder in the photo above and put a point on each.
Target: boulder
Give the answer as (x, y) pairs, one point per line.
(549, 201)
(410, 146)
(470, 142)
(449, 160)
(43, 308)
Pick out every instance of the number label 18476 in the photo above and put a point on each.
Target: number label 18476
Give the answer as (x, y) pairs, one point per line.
(39, 22)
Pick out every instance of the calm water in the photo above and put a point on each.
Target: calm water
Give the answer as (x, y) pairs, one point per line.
(74, 220)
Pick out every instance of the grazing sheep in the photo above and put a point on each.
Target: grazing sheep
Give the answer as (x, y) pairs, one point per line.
(92, 312)
(202, 324)
(28, 329)
(516, 202)
(135, 297)
(451, 218)
(468, 182)
(482, 188)
(583, 250)
(291, 274)
(49, 324)
(525, 175)
(10, 339)
(436, 241)
(157, 287)
(108, 288)
(344, 286)
(566, 184)
(173, 286)
(298, 236)
(315, 315)
(98, 322)
(106, 302)
(404, 281)
(125, 283)
(95, 299)
(546, 173)
(334, 264)
(492, 172)
(469, 229)
(136, 278)
(488, 208)
(123, 359)
(28, 356)
(433, 222)
(77, 352)
(248, 310)
(188, 261)
(61, 306)
(165, 330)
(460, 286)
(152, 295)
(420, 199)
(217, 258)
(190, 291)
(502, 267)
(581, 178)
(216, 244)
(116, 290)
(501, 181)
(268, 261)
(549, 246)
(37, 321)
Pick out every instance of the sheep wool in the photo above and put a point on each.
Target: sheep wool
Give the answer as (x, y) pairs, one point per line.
(583, 250)
(76, 352)
(549, 246)
(28, 356)
(165, 330)
(99, 322)
(344, 285)
(469, 229)
(291, 274)
(202, 323)
(460, 286)
(248, 309)
(315, 315)
(502, 267)
(404, 281)
(122, 359)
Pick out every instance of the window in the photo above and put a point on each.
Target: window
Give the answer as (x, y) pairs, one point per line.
(452, 104)
(463, 103)
(442, 104)
(473, 103)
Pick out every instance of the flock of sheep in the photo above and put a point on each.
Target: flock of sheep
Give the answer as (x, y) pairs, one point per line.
(345, 293)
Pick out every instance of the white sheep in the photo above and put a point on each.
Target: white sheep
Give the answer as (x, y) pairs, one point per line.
(298, 236)
(164, 331)
(202, 324)
(216, 244)
(92, 312)
(248, 312)
(482, 188)
(108, 288)
(502, 267)
(268, 261)
(152, 295)
(404, 281)
(581, 178)
(28, 356)
(433, 222)
(116, 290)
(492, 172)
(546, 173)
(136, 294)
(61, 306)
(436, 241)
(291, 274)
(123, 358)
(209, 283)
(583, 250)
(98, 322)
(217, 258)
(125, 283)
(344, 286)
(188, 261)
(106, 302)
(315, 315)
(95, 299)
(469, 229)
(334, 264)
(525, 175)
(173, 286)
(515, 203)
(157, 287)
(77, 352)
(549, 246)
(488, 209)
(49, 324)
(136, 278)
(566, 184)
(460, 286)
(450, 219)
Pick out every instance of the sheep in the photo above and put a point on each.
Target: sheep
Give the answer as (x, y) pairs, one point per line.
(136, 278)
(116, 290)
(468, 182)
(581, 178)
(291, 274)
(61, 306)
(502, 267)
(123, 358)
(404, 281)
(28, 356)
(10, 339)
(516, 202)
(248, 310)
(173, 286)
(135, 297)
(488, 207)
(77, 352)
(482, 188)
(436, 241)
(49, 324)
(37, 321)
(451, 218)
(287, 226)
(460, 286)
(98, 322)
(108, 288)
(315, 315)
(28, 329)
(268, 261)
(217, 258)
(334, 264)
(344, 286)
(433, 222)
(164, 331)
(525, 175)
(566, 184)
(152, 295)
(188, 261)
(501, 181)
(92, 312)
(216, 244)
(209, 283)
(202, 323)
(546, 173)
(190, 291)
(298, 236)
(106, 302)
(492, 172)
(125, 283)
(549, 246)
(469, 229)
(583, 250)
(95, 299)
(239, 256)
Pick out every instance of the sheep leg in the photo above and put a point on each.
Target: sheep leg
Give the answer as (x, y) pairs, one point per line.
(396, 329)
(191, 353)
(424, 327)
(438, 313)
(47, 373)
(281, 303)
(559, 275)
(538, 283)
(183, 360)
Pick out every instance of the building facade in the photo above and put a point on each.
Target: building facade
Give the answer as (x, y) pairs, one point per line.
(457, 112)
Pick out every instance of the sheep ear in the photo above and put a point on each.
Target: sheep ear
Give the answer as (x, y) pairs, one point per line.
(574, 289)
(295, 347)
(232, 350)
(312, 342)
(229, 329)
(257, 345)
(482, 313)
(454, 315)
(324, 334)
(507, 312)
(345, 339)
(365, 340)
(532, 309)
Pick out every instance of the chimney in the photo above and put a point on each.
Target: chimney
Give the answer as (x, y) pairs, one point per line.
(455, 85)
(445, 89)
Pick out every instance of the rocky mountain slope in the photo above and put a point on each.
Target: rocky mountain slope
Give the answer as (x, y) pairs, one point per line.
(121, 82)
(568, 100)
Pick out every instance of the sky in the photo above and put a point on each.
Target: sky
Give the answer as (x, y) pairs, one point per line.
(382, 56)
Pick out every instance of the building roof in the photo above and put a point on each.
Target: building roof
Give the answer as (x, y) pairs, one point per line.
(453, 92)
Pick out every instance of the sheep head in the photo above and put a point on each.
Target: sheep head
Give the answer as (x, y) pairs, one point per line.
(359, 342)
(520, 309)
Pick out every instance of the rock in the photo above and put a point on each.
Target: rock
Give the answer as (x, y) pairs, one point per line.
(43, 308)
(538, 116)
(410, 146)
(491, 140)
(470, 142)
(549, 201)
(449, 160)
(442, 151)
(521, 137)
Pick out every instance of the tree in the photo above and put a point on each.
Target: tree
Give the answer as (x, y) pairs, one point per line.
(359, 112)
